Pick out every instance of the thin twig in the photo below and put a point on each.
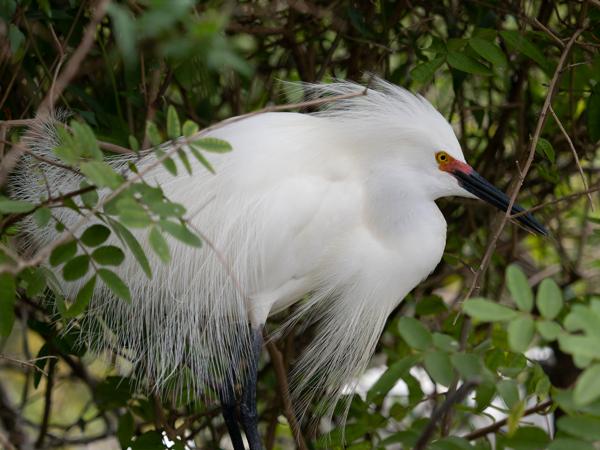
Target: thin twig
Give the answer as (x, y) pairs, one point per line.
(515, 192)
(12, 158)
(47, 405)
(555, 201)
(39, 157)
(453, 397)
(284, 391)
(572, 147)
(500, 423)
(30, 363)
(77, 58)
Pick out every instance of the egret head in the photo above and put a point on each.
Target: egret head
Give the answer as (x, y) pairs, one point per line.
(468, 183)
(410, 143)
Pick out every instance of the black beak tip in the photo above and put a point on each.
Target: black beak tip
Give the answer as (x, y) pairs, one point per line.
(534, 225)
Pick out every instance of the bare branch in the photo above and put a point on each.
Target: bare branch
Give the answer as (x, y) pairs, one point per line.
(572, 147)
(515, 191)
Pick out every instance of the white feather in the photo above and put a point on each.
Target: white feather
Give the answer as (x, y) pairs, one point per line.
(338, 204)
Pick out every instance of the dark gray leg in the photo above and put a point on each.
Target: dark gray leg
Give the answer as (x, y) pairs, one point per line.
(248, 412)
(228, 405)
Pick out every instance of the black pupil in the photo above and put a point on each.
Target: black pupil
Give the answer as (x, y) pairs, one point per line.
(443, 157)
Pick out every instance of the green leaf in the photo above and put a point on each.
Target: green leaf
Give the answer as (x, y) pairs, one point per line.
(115, 284)
(548, 330)
(173, 126)
(583, 346)
(40, 362)
(520, 333)
(108, 255)
(202, 160)
(159, 245)
(83, 298)
(211, 144)
(424, 72)
(587, 388)
(431, 305)
(150, 440)
(42, 216)
(15, 37)
(569, 444)
(489, 51)
(76, 268)
(390, 377)
(8, 298)
(125, 32)
(95, 235)
(449, 443)
(544, 147)
(125, 429)
(439, 367)
(445, 342)
(36, 282)
(101, 174)
(189, 128)
(583, 427)
(181, 232)
(517, 40)
(414, 333)
(593, 113)
(519, 288)
(153, 133)
(549, 299)
(135, 218)
(488, 311)
(132, 243)
(185, 160)
(509, 391)
(465, 63)
(583, 318)
(90, 198)
(86, 140)
(468, 365)
(63, 252)
(527, 438)
(8, 206)
(484, 394)
(168, 163)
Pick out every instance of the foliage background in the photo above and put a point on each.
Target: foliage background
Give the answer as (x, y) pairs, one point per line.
(520, 80)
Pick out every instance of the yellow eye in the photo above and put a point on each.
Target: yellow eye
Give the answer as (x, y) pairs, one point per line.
(442, 157)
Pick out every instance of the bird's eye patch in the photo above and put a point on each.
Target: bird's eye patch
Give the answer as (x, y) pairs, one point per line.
(442, 157)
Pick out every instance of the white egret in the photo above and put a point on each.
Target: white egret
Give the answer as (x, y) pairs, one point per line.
(339, 204)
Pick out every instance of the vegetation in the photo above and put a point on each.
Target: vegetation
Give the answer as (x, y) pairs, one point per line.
(507, 326)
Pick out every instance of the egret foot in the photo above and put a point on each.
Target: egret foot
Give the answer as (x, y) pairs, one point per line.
(248, 410)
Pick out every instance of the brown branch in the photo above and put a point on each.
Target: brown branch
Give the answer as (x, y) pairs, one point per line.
(515, 191)
(558, 200)
(284, 391)
(47, 405)
(572, 147)
(481, 432)
(437, 415)
(10, 219)
(76, 59)
(70, 70)
(28, 364)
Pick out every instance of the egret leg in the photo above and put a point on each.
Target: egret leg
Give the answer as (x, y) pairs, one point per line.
(248, 411)
(228, 405)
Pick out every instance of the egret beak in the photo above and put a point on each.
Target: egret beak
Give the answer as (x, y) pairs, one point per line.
(474, 183)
